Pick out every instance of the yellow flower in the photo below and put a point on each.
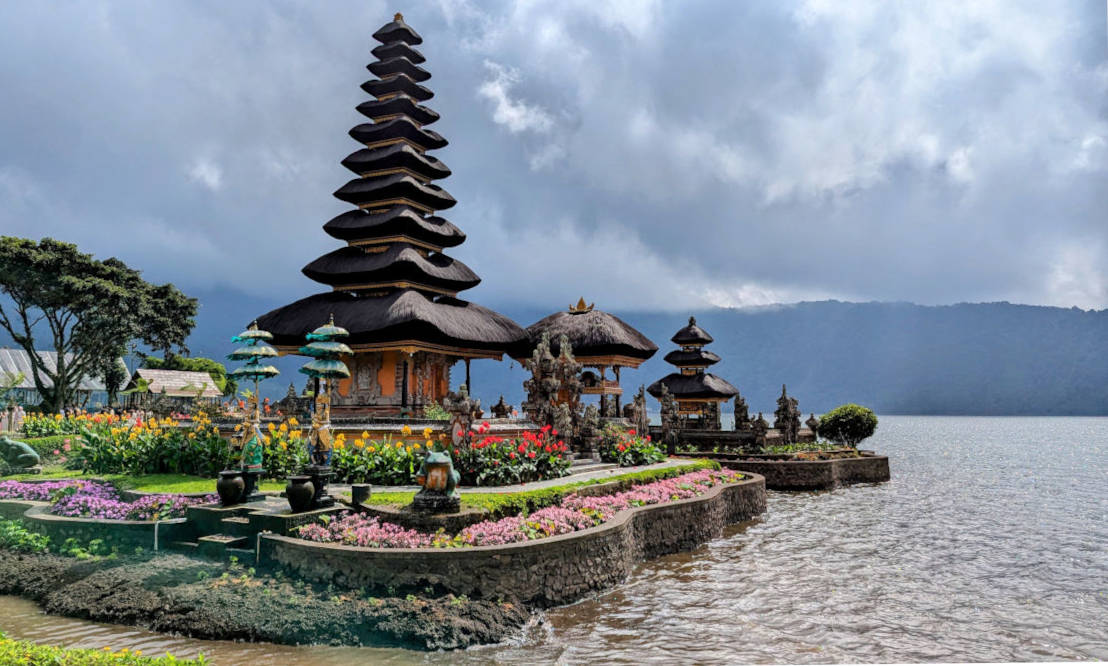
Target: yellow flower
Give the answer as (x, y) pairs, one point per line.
(272, 427)
(284, 427)
(365, 435)
(293, 422)
(427, 432)
(414, 446)
(359, 443)
(429, 444)
(266, 439)
(406, 430)
(372, 449)
(400, 445)
(192, 435)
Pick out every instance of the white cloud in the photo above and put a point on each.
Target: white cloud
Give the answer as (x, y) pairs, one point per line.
(1077, 276)
(517, 115)
(207, 173)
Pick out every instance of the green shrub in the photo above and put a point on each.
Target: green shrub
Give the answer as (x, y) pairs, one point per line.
(435, 412)
(848, 424)
(627, 448)
(14, 536)
(46, 446)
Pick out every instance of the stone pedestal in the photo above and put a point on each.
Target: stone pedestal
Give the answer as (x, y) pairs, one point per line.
(251, 478)
(321, 476)
(432, 502)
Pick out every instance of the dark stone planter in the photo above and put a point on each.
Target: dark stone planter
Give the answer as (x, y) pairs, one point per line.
(299, 493)
(359, 493)
(230, 487)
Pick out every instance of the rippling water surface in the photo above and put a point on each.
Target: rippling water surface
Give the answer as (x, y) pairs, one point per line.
(989, 544)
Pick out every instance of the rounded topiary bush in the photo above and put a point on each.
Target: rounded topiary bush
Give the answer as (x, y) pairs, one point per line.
(848, 424)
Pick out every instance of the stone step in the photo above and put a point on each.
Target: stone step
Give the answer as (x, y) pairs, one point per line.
(238, 526)
(592, 467)
(216, 546)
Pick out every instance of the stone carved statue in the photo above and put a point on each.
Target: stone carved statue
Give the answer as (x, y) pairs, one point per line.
(640, 418)
(670, 420)
(463, 411)
(320, 436)
(18, 455)
(787, 417)
(440, 481)
(760, 427)
(813, 424)
(742, 414)
(251, 439)
(501, 409)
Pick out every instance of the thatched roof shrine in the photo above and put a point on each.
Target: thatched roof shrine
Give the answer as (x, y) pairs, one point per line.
(394, 289)
(691, 384)
(598, 338)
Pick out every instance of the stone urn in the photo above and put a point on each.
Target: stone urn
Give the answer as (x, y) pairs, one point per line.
(230, 486)
(299, 492)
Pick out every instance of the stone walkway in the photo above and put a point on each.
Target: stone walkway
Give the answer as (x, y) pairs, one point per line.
(337, 488)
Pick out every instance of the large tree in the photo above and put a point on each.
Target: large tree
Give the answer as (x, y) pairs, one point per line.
(85, 309)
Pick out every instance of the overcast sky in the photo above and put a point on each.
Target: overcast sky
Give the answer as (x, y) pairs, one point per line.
(644, 155)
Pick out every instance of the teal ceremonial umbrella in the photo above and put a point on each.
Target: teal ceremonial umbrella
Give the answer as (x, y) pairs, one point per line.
(254, 351)
(325, 352)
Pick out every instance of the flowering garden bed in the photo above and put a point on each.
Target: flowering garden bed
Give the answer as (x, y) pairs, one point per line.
(92, 499)
(574, 512)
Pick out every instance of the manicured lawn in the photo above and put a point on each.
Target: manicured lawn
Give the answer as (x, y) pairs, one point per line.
(503, 504)
(149, 483)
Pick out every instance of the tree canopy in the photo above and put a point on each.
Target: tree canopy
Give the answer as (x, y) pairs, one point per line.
(87, 310)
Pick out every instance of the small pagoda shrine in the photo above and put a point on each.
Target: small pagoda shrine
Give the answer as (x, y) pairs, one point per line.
(599, 340)
(393, 288)
(698, 394)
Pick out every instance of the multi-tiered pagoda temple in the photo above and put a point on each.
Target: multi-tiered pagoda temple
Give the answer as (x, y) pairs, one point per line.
(393, 288)
(698, 394)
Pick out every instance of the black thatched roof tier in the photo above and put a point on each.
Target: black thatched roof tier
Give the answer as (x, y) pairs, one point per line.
(397, 84)
(402, 221)
(395, 156)
(701, 386)
(401, 105)
(397, 50)
(383, 69)
(699, 358)
(591, 334)
(692, 335)
(397, 31)
(398, 128)
(399, 263)
(403, 316)
(395, 187)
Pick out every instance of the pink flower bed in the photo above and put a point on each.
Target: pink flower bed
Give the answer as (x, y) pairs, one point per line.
(89, 499)
(572, 514)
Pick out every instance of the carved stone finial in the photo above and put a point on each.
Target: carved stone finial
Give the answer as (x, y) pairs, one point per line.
(398, 17)
(581, 307)
(692, 321)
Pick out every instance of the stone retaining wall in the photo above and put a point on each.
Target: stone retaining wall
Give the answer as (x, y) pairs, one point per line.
(545, 572)
(124, 534)
(815, 474)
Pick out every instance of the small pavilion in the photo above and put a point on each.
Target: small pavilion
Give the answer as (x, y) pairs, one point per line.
(698, 393)
(599, 340)
(392, 286)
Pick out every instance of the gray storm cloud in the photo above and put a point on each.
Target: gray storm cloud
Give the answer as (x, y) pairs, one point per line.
(644, 154)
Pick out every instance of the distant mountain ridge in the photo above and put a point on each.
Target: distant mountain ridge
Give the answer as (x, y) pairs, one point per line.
(897, 358)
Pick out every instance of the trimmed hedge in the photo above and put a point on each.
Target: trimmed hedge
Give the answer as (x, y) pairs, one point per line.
(46, 446)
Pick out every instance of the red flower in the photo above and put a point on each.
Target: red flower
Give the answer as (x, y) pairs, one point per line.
(630, 432)
(548, 449)
(457, 452)
(545, 428)
(554, 433)
(531, 454)
(522, 448)
(622, 447)
(512, 455)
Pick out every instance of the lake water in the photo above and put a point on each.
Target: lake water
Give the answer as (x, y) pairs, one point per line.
(989, 544)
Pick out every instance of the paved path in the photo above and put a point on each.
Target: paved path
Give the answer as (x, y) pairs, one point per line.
(534, 485)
